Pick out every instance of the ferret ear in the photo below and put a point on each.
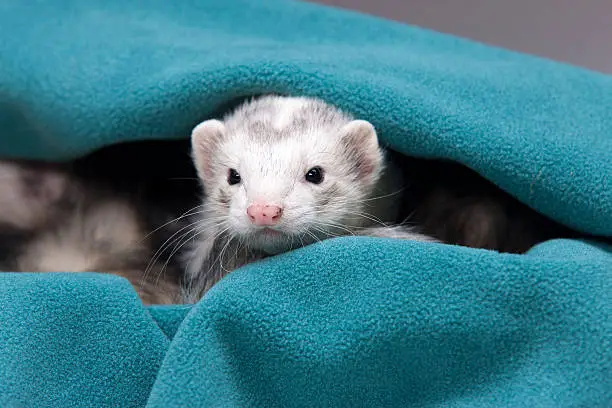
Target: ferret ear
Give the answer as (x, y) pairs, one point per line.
(362, 149)
(205, 138)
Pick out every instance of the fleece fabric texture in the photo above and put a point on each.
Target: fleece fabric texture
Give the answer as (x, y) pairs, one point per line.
(348, 322)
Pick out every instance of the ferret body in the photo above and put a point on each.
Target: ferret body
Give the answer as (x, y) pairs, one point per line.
(283, 172)
(50, 221)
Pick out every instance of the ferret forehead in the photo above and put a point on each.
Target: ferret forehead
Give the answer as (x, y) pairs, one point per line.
(245, 148)
(281, 157)
(273, 118)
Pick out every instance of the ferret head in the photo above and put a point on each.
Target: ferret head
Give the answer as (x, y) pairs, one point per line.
(281, 172)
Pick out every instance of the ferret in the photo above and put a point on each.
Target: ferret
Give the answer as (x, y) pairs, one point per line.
(52, 221)
(277, 173)
(457, 206)
(284, 172)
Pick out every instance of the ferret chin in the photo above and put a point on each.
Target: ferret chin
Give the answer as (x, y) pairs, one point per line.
(284, 172)
(271, 241)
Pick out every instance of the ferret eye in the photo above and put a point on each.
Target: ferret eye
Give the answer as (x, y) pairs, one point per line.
(233, 177)
(314, 175)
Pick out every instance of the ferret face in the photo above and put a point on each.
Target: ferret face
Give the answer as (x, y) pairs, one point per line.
(283, 172)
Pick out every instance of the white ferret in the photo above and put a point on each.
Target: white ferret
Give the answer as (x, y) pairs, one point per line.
(280, 173)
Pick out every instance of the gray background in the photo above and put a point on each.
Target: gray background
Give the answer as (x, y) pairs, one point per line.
(574, 31)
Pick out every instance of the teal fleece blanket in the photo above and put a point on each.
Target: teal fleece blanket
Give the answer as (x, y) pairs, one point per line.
(349, 322)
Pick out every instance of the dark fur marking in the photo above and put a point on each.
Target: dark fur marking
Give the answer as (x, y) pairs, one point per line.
(324, 118)
(223, 198)
(327, 195)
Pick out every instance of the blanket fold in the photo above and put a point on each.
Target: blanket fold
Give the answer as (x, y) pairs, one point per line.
(350, 321)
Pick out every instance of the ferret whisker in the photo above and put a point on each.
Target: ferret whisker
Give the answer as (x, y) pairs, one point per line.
(185, 214)
(197, 225)
(300, 237)
(216, 236)
(365, 200)
(406, 220)
(212, 265)
(165, 244)
(159, 252)
(223, 250)
(237, 248)
(313, 236)
(326, 233)
(333, 225)
(180, 242)
(370, 218)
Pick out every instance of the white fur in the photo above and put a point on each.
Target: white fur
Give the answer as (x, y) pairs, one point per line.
(287, 110)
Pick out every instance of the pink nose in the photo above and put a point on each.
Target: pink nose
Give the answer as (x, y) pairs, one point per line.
(263, 214)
